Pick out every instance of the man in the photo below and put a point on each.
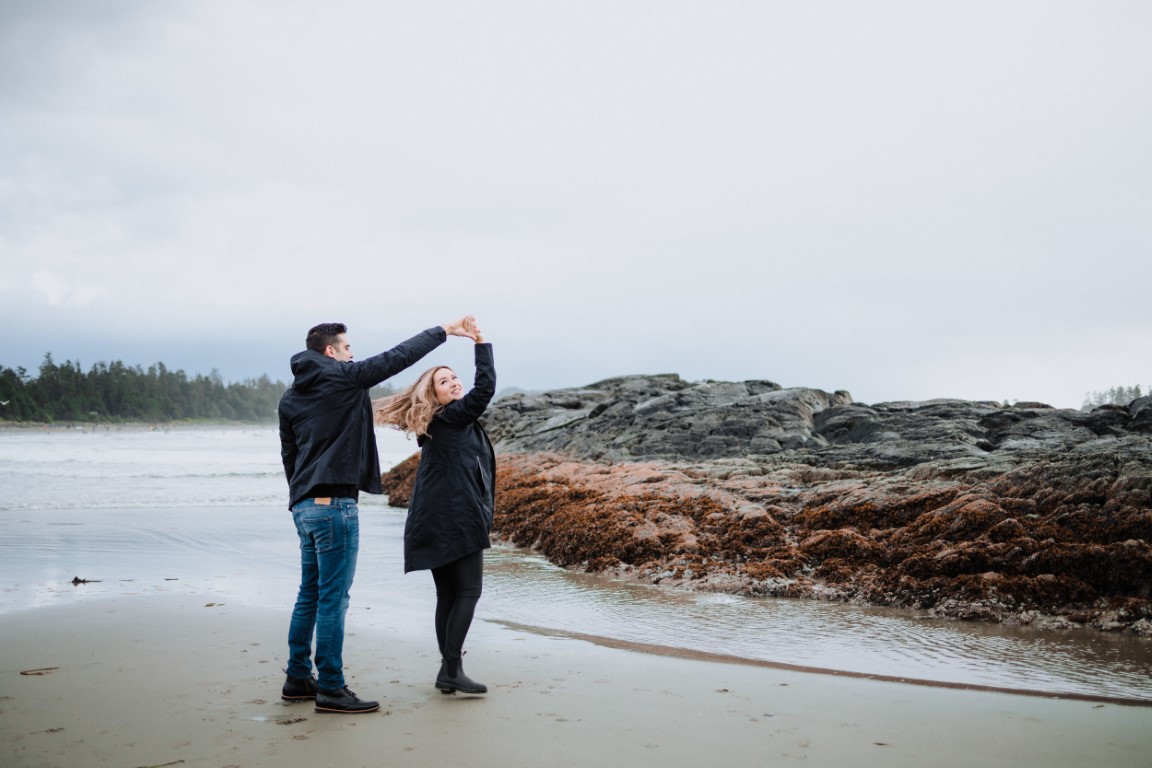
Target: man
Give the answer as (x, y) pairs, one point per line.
(328, 445)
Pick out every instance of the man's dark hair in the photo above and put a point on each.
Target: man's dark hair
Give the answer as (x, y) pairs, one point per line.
(324, 334)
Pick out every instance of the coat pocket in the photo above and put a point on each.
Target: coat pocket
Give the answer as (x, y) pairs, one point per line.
(485, 480)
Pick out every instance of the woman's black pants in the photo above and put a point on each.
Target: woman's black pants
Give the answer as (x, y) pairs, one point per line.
(458, 587)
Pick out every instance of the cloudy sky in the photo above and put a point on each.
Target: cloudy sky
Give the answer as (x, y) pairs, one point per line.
(905, 200)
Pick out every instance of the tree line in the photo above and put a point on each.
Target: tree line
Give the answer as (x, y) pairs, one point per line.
(118, 392)
(1114, 396)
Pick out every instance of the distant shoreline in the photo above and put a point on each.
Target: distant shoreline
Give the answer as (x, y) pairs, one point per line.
(13, 426)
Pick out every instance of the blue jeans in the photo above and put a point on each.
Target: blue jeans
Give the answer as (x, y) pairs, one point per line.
(329, 543)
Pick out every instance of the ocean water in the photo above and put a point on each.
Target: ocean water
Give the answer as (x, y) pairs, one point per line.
(203, 510)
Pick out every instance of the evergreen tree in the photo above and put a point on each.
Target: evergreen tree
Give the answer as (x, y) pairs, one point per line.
(1113, 396)
(64, 392)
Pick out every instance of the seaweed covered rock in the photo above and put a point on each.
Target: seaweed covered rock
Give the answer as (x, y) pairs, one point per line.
(971, 510)
(397, 482)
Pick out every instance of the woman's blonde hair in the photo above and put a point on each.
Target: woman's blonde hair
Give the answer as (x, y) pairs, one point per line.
(411, 409)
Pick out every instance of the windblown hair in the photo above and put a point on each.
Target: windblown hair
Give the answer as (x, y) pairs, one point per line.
(320, 336)
(412, 409)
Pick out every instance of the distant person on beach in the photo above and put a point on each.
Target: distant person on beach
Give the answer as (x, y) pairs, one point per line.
(451, 506)
(328, 446)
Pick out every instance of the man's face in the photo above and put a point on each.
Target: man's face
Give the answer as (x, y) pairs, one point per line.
(341, 350)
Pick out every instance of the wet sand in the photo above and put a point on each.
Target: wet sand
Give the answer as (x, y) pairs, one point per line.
(166, 680)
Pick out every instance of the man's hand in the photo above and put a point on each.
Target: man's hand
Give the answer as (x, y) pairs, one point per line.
(465, 326)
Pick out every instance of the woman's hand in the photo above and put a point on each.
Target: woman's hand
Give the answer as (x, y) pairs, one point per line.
(465, 326)
(475, 334)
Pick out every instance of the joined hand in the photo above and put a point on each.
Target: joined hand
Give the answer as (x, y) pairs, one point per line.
(465, 326)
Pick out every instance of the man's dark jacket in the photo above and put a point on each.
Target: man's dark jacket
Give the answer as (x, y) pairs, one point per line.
(326, 430)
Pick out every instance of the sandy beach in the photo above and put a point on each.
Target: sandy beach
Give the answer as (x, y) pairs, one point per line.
(165, 680)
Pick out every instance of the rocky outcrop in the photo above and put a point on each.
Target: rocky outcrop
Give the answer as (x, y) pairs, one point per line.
(972, 510)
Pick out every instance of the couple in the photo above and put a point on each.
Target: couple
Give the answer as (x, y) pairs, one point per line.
(328, 446)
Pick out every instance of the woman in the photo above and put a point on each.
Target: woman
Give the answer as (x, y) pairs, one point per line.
(450, 513)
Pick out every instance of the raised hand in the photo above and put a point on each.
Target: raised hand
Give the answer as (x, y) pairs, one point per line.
(477, 336)
(465, 326)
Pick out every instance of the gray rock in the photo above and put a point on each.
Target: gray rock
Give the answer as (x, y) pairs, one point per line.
(665, 417)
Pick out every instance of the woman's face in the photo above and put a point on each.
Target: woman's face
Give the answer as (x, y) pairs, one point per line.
(447, 386)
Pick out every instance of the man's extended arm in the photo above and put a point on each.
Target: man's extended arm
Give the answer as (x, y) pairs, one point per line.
(376, 369)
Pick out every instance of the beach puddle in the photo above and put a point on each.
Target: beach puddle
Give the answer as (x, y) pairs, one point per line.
(526, 590)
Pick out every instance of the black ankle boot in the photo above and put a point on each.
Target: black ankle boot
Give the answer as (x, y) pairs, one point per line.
(344, 701)
(452, 678)
(298, 688)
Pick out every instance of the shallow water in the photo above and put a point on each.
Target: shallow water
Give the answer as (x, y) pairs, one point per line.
(204, 509)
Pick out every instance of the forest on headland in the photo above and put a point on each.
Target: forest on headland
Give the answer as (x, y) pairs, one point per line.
(130, 393)
(119, 392)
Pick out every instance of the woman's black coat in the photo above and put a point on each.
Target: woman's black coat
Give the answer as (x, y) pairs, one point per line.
(450, 512)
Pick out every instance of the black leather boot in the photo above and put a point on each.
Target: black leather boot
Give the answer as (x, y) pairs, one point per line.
(298, 688)
(452, 678)
(344, 702)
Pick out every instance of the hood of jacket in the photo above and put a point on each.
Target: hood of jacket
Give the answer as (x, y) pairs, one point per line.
(307, 368)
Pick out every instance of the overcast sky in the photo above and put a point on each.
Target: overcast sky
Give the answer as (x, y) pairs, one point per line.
(906, 200)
